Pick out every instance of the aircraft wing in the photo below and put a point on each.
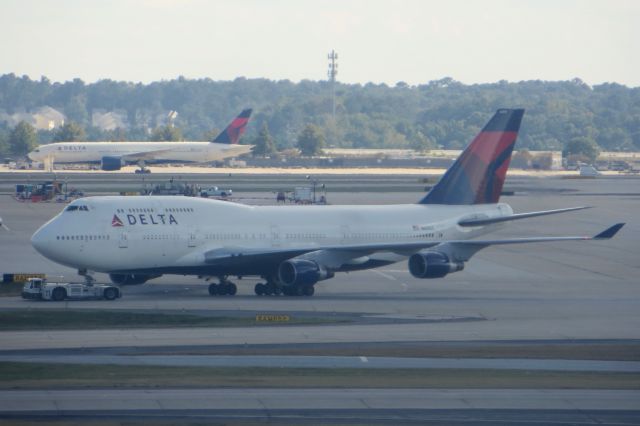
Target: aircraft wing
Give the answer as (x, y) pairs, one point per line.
(463, 250)
(335, 256)
(481, 221)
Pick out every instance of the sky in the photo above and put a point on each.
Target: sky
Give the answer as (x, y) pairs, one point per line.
(378, 41)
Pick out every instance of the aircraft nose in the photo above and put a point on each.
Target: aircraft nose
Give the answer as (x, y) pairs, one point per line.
(40, 241)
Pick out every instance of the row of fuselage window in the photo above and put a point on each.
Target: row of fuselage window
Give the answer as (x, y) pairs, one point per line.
(82, 237)
(151, 210)
(317, 236)
(296, 236)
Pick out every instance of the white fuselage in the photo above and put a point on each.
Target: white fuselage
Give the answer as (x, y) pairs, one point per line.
(94, 152)
(143, 232)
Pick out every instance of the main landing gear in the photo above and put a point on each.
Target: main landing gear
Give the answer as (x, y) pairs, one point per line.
(270, 288)
(224, 288)
(142, 170)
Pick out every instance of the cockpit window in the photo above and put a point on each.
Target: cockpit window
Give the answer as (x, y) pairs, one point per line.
(73, 208)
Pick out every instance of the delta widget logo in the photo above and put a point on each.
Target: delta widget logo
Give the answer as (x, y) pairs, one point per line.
(116, 221)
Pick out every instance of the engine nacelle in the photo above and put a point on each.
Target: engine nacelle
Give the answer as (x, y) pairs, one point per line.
(432, 264)
(111, 163)
(299, 272)
(130, 279)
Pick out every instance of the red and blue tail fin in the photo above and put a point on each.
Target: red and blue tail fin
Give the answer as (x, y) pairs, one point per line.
(233, 132)
(478, 174)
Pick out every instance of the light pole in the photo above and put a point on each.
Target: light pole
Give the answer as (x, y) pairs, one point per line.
(333, 71)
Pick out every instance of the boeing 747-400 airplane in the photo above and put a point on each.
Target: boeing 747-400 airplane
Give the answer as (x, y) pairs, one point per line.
(292, 248)
(114, 155)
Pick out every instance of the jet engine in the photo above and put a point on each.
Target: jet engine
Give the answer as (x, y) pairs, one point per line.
(432, 264)
(130, 279)
(111, 163)
(301, 272)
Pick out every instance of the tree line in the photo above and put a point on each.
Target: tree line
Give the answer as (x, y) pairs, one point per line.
(442, 113)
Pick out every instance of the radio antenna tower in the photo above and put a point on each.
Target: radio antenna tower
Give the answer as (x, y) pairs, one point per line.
(333, 71)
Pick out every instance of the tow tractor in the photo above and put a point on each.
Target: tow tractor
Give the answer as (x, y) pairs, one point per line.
(40, 289)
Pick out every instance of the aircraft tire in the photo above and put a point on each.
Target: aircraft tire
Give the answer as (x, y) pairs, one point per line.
(213, 289)
(58, 294)
(110, 293)
(308, 290)
(231, 289)
(259, 289)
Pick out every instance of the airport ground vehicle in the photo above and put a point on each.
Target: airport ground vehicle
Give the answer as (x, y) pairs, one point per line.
(309, 195)
(46, 191)
(38, 288)
(171, 188)
(214, 191)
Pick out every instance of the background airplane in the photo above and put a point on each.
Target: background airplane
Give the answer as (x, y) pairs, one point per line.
(292, 248)
(114, 155)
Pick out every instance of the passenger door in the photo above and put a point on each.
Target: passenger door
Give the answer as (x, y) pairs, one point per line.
(275, 236)
(124, 240)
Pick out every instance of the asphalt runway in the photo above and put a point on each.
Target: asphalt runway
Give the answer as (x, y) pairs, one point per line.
(570, 291)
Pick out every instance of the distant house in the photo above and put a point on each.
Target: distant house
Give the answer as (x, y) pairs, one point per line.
(109, 120)
(43, 118)
(47, 118)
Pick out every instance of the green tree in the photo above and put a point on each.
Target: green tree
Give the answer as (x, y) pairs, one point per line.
(69, 132)
(166, 134)
(22, 139)
(311, 140)
(211, 134)
(447, 112)
(583, 148)
(420, 142)
(263, 143)
(4, 142)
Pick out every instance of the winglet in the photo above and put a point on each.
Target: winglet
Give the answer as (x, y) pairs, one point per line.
(232, 133)
(609, 232)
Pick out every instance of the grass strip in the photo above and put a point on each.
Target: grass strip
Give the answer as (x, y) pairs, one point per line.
(60, 319)
(15, 375)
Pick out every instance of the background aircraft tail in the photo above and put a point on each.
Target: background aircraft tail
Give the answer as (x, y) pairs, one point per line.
(478, 174)
(233, 132)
